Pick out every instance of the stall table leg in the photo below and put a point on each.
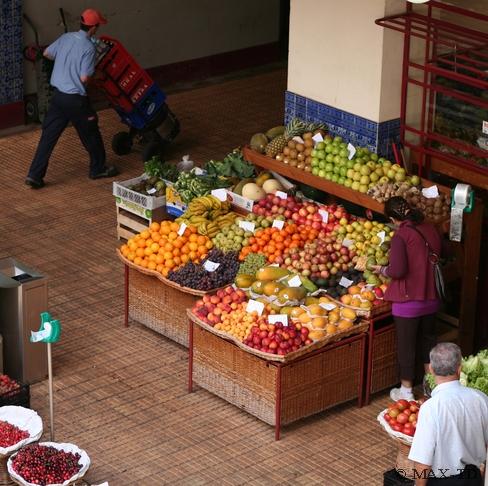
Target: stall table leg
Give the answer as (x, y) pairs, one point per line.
(126, 296)
(190, 356)
(278, 403)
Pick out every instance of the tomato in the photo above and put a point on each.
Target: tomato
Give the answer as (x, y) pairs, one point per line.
(402, 418)
(387, 417)
(397, 428)
(412, 402)
(407, 412)
(392, 405)
(408, 429)
(412, 418)
(394, 412)
(414, 408)
(414, 425)
(402, 404)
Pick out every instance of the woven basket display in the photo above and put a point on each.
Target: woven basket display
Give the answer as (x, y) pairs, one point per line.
(384, 369)
(308, 386)
(383, 308)
(159, 307)
(362, 326)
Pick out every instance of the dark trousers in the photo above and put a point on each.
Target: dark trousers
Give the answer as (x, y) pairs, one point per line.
(410, 330)
(471, 476)
(65, 108)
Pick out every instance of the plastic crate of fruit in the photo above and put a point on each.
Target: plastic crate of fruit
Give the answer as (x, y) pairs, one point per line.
(129, 191)
(13, 393)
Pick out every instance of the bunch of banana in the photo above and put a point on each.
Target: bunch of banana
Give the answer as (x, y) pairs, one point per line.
(208, 214)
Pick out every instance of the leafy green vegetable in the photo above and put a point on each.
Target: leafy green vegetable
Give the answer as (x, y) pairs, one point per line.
(190, 185)
(156, 167)
(233, 165)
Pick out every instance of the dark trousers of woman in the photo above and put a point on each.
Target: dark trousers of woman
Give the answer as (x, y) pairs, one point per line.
(63, 109)
(409, 331)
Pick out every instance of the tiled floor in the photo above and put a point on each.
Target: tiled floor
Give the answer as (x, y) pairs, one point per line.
(120, 393)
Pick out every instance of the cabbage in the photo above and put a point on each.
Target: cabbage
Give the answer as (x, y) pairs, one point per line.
(473, 367)
(481, 384)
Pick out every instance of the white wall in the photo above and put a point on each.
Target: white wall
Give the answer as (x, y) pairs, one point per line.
(340, 57)
(159, 32)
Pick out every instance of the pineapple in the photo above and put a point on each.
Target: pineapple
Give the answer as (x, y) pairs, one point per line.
(295, 127)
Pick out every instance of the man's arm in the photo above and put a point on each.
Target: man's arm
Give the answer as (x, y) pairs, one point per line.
(87, 66)
(48, 55)
(421, 473)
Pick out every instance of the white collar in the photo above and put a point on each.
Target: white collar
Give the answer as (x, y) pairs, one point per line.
(447, 384)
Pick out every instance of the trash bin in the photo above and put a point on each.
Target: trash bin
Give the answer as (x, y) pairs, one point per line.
(23, 296)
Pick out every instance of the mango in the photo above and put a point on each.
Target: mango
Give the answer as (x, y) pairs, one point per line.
(244, 281)
(348, 313)
(291, 294)
(271, 273)
(312, 300)
(344, 324)
(272, 288)
(317, 334)
(257, 287)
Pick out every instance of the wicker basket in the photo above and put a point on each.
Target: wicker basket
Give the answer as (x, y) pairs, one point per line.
(5, 479)
(159, 307)
(384, 369)
(362, 326)
(308, 386)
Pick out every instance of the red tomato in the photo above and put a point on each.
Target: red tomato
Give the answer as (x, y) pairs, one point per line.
(397, 428)
(402, 418)
(414, 408)
(394, 412)
(402, 404)
(407, 412)
(392, 405)
(408, 429)
(387, 417)
(414, 425)
(412, 418)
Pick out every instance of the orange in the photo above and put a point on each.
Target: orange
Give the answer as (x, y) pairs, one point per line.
(185, 250)
(165, 272)
(201, 240)
(137, 260)
(169, 263)
(155, 236)
(184, 258)
(176, 252)
(140, 252)
(193, 238)
(177, 260)
(130, 256)
(202, 250)
(154, 247)
(141, 243)
(145, 234)
(151, 265)
(165, 229)
(154, 226)
(161, 250)
(159, 268)
(123, 248)
(144, 263)
(149, 242)
(168, 246)
(209, 245)
(193, 255)
(178, 243)
(159, 258)
(168, 255)
(152, 258)
(147, 251)
(193, 246)
(192, 229)
(172, 236)
(174, 226)
(125, 252)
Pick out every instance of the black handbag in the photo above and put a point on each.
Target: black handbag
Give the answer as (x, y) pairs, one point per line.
(435, 260)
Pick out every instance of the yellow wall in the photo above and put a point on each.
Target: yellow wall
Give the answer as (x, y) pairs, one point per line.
(159, 32)
(340, 57)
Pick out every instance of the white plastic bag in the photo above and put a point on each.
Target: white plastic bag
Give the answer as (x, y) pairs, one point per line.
(24, 419)
(186, 164)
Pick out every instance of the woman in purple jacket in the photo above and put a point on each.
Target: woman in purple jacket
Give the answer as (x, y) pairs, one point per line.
(412, 289)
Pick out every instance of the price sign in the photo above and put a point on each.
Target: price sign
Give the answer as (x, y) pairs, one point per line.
(182, 229)
(324, 215)
(152, 190)
(277, 223)
(247, 226)
(352, 150)
(347, 243)
(345, 282)
(198, 171)
(318, 138)
(220, 194)
(295, 281)
(328, 306)
(283, 318)
(211, 266)
(255, 306)
(430, 192)
(281, 194)
(381, 235)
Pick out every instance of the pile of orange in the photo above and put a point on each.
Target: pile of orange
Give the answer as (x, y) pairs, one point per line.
(272, 242)
(162, 249)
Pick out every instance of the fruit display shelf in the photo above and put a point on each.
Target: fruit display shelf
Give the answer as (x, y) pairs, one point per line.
(278, 393)
(360, 327)
(320, 183)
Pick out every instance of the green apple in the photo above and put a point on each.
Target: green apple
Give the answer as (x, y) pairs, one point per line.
(315, 171)
(374, 177)
(365, 170)
(350, 173)
(322, 173)
(364, 180)
(415, 180)
(357, 176)
(348, 182)
(383, 179)
(355, 185)
(390, 174)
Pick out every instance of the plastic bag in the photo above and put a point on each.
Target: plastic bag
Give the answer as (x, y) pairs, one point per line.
(186, 164)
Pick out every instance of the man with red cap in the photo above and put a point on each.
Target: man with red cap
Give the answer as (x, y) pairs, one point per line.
(74, 63)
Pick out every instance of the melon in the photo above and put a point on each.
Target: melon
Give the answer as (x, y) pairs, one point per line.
(271, 186)
(253, 192)
(258, 142)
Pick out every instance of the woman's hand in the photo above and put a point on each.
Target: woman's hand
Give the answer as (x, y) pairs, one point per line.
(376, 268)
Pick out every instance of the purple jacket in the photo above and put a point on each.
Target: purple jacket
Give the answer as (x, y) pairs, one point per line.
(410, 270)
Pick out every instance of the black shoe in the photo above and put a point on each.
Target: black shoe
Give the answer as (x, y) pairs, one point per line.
(33, 183)
(110, 171)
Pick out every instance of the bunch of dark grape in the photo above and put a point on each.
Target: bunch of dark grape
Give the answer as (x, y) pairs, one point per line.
(196, 277)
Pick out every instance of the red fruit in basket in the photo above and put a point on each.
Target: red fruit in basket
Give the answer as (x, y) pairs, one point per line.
(402, 404)
(394, 412)
(412, 418)
(414, 408)
(387, 417)
(263, 334)
(407, 412)
(402, 418)
(408, 429)
(397, 427)
(256, 340)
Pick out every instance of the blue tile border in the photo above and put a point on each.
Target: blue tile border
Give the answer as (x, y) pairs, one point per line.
(353, 128)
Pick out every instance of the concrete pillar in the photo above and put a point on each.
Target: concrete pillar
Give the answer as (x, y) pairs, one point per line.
(345, 70)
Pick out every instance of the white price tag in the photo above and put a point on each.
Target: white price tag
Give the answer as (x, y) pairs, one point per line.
(298, 139)
(352, 150)
(283, 318)
(324, 215)
(198, 171)
(234, 286)
(255, 306)
(294, 282)
(274, 265)
(345, 282)
(247, 225)
(211, 266)
(40, 335)
(430, 192)
(347, 243)
(318, 138)
(102, 484)
(281, 194)
(277, 223)
(182, 229)
(484, 127)
(381, 235)
(152, 190)
(220, 194)
(328, 306)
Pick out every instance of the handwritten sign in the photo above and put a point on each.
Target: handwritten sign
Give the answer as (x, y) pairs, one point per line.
(430, 192)
(281, 194)
(211, 266)
(345, 282)
(182, 229)
(324, 215)
(352, 150)
(255, 306)
(277, 223)
(247, 225)
(295, 281)
(220, 194)
(283, 318)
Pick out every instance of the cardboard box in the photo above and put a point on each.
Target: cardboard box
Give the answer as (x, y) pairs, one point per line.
(246, 204)
(174, 205)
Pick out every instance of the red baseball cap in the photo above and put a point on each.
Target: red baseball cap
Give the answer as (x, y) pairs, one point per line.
(92, 17)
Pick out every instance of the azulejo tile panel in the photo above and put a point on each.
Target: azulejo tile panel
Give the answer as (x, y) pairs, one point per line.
(11, 79)
(378, 137)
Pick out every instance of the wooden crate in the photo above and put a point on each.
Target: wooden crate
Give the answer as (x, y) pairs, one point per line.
(129, 224)
(159, 307)
(384, 369)
(310, 384)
